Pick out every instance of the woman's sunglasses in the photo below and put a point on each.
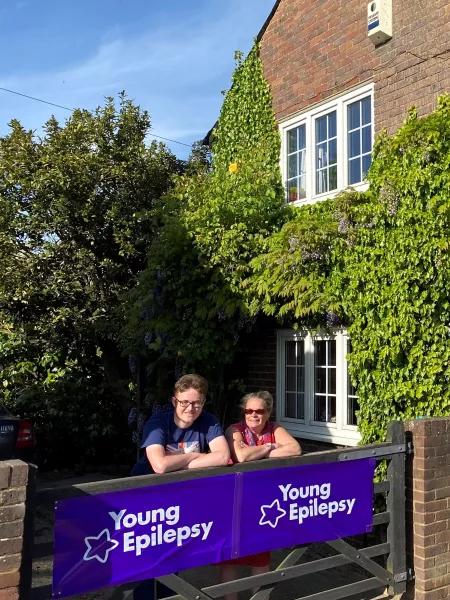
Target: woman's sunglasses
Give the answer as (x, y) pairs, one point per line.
(258, 411)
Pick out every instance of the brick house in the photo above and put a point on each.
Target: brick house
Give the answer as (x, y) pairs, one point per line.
(333, 90)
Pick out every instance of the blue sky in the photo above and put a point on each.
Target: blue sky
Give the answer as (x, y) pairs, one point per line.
(173, 57)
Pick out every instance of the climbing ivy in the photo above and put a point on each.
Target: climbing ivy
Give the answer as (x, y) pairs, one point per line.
(379, 263)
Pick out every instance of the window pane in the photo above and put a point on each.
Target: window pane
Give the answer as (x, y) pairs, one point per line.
(331, 417)
(366, 162)
(301, 137)
(332, 124)
(292, 140)
(321, 156)
(290, 353)
(321, 129)
(354, 143)
(354, 171)
(352, 398)
(321, 182)
(320, 352)
(301, 192)
(333, 178)
(301, 379)
(366, 139)
(366, 106)
(353, 406)
(331, 381)
(301, 162)
(332, 152)
(291, 379)
(300, 406)
(292, 190)
(292, 166)
(331, 352)
(353, 114)
(320, 408)
(300, 352)
(291, 409)
(321, 380)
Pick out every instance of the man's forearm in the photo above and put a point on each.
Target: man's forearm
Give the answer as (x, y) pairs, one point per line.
(213, 459)
(175, 462)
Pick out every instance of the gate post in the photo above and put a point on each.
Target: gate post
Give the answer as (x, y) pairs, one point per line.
(428, 508)
(396, 500)
(16, 525)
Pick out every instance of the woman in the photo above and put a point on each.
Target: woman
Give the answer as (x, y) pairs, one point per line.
(251, 439)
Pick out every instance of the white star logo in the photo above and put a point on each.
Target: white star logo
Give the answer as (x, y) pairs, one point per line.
(271, 520)
(99, 547)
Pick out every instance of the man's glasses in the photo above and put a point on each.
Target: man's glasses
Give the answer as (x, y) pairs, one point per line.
(258, 411)
(186, 404)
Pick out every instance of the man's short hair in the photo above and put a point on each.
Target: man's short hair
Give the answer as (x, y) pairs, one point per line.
(191, 382)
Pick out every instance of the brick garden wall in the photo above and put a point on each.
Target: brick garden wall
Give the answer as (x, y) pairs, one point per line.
(421, 28)
(13, 488)
(428, 508)
(314, 50)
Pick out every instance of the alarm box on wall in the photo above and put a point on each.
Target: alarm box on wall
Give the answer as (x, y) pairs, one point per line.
(379, 21)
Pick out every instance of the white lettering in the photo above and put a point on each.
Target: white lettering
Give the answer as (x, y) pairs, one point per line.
(173, 515)
(284, 490)
(182, 534)
(170, 535)
(293, 512)
(128, 541)
(323, 508)
(332, 508)
(206, 529)
(350, 505)
(117, 518)
(142, 541)
(130, 521)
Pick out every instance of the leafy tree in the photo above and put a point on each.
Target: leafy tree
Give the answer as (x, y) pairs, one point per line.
(189, 311)
(76, 210)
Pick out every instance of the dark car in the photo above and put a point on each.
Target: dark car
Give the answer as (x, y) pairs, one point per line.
(16, 437)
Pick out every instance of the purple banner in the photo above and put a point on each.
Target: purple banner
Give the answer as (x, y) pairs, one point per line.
(115, 538)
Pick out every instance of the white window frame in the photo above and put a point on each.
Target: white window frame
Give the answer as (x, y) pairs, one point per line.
(307, 428)
(308, 118)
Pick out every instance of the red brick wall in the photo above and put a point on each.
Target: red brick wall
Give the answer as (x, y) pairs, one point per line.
(428, 508)
(314, 49)
(257, 367)
(421, 27)
(13, 482)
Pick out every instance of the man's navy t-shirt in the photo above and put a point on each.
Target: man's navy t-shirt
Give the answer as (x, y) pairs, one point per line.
(161, 429)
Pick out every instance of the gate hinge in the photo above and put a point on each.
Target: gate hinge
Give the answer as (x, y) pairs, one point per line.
(408, 575)
(409, 448)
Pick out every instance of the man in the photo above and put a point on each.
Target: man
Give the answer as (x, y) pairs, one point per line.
(177, 440)
(185, 438)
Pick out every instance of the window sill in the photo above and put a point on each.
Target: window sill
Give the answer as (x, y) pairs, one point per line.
(323, 433)
(360, 187)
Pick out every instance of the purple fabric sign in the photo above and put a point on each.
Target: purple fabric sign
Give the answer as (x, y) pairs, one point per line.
(120, 537)
(313, 503)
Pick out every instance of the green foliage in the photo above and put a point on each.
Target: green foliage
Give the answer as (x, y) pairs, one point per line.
(395, 279)
(378, 262)
(76, 210)
(247, 116)
(189, 312)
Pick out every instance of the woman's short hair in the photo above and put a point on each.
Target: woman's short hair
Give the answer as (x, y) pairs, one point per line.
(191, 382)
(264, 396)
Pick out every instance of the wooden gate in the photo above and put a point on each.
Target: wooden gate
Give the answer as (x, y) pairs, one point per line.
(380, 559)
